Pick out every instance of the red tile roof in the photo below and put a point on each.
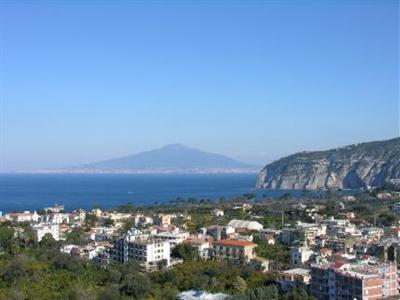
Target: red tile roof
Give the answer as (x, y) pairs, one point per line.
(339, 263)
(234, 243)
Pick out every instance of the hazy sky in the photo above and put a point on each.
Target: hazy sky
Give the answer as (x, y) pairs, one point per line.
(83, 81)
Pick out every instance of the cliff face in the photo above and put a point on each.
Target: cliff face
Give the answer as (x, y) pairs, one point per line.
(351, 167)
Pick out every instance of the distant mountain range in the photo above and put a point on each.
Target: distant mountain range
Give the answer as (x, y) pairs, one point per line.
(175, 158)
(356, 166)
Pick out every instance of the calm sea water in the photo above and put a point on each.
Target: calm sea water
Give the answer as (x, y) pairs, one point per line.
(26, 192)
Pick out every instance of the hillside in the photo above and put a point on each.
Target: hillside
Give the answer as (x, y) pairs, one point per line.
(356, 166)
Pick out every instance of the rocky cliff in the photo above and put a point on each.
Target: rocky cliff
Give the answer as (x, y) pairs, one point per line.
(352, 167)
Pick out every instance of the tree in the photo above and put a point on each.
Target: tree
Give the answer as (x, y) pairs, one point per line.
(90, 221)
(48, 242)
(185, 252)
(76, 237)
(16, 269)
(297, 294)
(6, 236)
(136, 284)
(127, 208)
(239, 285)
(109, 222)
(269, 292)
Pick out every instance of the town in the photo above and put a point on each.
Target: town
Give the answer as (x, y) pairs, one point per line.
(330, 246)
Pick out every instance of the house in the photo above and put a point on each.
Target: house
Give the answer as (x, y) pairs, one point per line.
(236, 250)
(165, 219)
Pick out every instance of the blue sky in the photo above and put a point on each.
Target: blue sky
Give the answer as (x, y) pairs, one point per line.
(82, 81)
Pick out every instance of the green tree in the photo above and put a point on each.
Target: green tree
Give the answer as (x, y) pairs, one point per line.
(136, 285)
(185, 252)
(239, 285)
(48, 242)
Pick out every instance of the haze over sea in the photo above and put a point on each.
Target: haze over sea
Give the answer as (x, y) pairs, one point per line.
(34, 191)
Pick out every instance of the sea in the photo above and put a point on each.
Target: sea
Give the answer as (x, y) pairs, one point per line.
(19, 192)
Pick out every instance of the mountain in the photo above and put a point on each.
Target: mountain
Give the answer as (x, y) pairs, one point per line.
(352, 167)
(174, 158)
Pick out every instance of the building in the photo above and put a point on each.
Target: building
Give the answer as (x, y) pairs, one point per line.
(174, 238)
(372, 232)
(142, 220)
(202, 246)
(220, 232)
(287, 235)
(299, 255)
(26, 216)
(247, 225)
(345, 245)
(57, 208)
(149, 252)
(309, 231)
(237, 250)
(78, 215)
(356, 281)
(40, 230)
(341, 228)
(294, 278)
(56, 218)
(165, 219)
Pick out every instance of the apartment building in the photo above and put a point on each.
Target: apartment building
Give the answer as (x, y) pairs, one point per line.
(237, 250)
(356, 281)
(174, 238)
(149, 252)
(299, 255)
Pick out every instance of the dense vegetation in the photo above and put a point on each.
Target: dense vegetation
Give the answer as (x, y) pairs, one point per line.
(45, 273)
(29, 271)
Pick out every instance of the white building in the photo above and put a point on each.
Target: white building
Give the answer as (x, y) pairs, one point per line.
(56, 218)
(174, 238)
(148, 252)
(202, 246)
(300, 255)
(55, 209)
(40, 230)
(26, 216)
(142, 220)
